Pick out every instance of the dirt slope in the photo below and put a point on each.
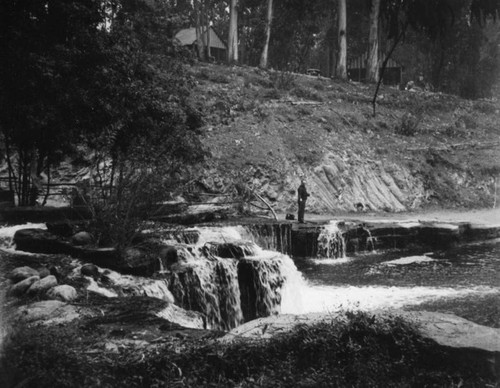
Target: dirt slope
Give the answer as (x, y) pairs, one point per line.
(422, 150)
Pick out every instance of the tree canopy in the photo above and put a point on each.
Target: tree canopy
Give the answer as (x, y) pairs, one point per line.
(68, 77)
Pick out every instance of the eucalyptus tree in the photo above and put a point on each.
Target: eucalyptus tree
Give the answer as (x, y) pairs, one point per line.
(269, 18)
(342, 39)
(232, 39)
(372, 65)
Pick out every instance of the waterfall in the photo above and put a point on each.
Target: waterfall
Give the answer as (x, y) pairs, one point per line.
(331, 243)
(210, 287)
(229, 279)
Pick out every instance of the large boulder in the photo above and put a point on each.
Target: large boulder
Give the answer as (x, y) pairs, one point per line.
(82, 239)
(42, 285)
(64, 292)
(40, 241)
(139, 261)
(168, 255)
(90, 270)
(21, 273)
(21, 287)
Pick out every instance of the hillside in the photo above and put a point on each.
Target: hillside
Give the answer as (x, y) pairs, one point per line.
(422, 150)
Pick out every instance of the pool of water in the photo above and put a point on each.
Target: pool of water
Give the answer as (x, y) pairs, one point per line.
(464, 266)
(464, 280)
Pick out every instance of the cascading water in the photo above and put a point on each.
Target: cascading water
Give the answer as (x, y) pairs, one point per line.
(247, 283)
(222, 273)
(331, 243)
(274, 237)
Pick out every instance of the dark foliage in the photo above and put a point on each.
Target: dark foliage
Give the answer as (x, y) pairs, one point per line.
(359, 350)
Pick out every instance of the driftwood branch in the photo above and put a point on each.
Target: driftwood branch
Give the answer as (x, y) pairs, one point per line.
(267, 204)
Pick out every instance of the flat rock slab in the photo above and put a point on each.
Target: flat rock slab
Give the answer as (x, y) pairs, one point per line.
(454, 332)
(445, 329)
(48, 312)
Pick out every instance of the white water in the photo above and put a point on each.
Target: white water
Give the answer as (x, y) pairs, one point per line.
(332, 298)
(298, 296)
(330, 241)
(283, 289)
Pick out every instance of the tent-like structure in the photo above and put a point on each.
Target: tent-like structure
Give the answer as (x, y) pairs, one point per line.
(218, 49)
(356, 70)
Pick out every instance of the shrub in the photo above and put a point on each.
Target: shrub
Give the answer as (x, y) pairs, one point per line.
(409, 124)
(214, 76)
(485, 107)
(255, 79)
(283, 80)
(307, 94)
(272, 94)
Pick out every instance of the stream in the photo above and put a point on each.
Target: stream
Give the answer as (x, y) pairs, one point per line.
(279, 283)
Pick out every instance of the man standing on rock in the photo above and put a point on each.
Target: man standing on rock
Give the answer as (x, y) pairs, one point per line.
(302, 197)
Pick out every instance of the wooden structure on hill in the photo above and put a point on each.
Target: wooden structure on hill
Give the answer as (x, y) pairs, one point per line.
(218, 49)
(356, 70)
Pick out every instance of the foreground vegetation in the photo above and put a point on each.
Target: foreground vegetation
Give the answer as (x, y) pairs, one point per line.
(358, 351)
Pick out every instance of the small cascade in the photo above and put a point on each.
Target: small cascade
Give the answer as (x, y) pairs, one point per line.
(331, 243)
(228, 278)
(274, 237)
(210, 287)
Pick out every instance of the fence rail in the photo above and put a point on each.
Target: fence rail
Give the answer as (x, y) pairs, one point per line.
(65, 190)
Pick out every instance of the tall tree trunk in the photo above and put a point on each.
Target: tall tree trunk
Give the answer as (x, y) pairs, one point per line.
(372, 65)
(12, 175)
(199, 32)
(342, 27)
(208, 14)
(264, 55)
(232, 53)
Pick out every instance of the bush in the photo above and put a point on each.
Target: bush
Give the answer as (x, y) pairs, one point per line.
(214, 76)
(255, 79)
(272, 94)
(283, 80)
(307, 94)
(409, 124)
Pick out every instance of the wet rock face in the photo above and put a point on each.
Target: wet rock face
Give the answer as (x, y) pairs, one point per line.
(169, 255)
(230, 250)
